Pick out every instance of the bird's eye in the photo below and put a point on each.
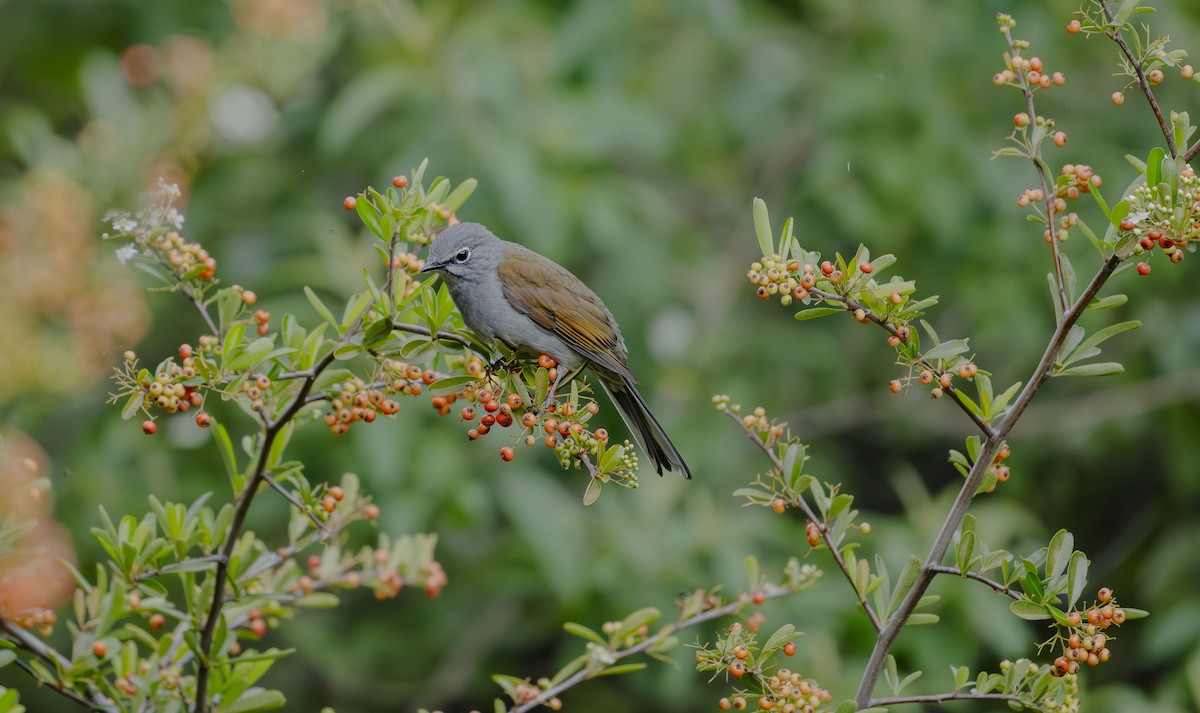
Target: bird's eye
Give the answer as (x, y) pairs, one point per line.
(463, 255)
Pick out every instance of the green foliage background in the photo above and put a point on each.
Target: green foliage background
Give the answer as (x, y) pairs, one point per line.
(625, 139)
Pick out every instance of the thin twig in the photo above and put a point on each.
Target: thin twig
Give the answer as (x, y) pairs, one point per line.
(1035, 156)
(425, 331)
(1003, 589)
(987, 452)
(812, 517)
(943, 698)
(169, 568)
(1115, 34)
(270, 433)
(586, 673)
(208, 320)
(27, 641)
(295, 502)
(852, 305)
(1192, 152)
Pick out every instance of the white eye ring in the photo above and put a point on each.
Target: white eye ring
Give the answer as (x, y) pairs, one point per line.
(463, 255)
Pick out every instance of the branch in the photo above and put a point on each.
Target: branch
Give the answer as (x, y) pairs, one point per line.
(812, 517)
(271, 432)
(943, 697)
(978, 578)
(417, 329)
(295, 502)
(852, 305)
(169, 568)
(987, 453)
(1115, 34)
(1192, 152)
(586, 673)
(208, 320)
(25, 640)
(1035, 155)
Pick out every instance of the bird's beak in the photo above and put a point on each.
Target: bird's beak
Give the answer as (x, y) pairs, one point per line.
(431, 265)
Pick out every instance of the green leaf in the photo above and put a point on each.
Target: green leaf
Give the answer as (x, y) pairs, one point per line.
(1002, 400)
(228, 459)
(1098, 338)
(1154, 165)
(257, 701)
(1131, 613)
(762, 228)
(584, 632)
(923, 619)
(1107, 302)
(1077, 571)
(908, 577)
(317, 600)
(450, 385)
(1058, 553)
(356, 307)
(816, 312)
(779, 639)
(1030, 611)
(1128, 7)
(642, 617)
(1107, 368)
(319, 306)
(947, 349)
(459, 195)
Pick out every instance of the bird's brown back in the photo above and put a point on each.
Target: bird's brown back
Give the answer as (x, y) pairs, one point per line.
(560, 303)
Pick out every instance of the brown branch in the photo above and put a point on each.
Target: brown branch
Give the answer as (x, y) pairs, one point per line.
(940, 569)
(1035, 155)
(812, 517)
(34, 645)
(208, 320)
(852, 305)
(943, 698)
(987, 452)
(295, 502)
(1192, 152)
(1115, 34)
(271, 432)
(425, 331)
(586, 673)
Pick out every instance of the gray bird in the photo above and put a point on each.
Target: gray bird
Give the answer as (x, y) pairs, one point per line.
(508, 293)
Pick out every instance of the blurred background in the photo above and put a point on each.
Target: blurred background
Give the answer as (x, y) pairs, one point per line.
(624, 139)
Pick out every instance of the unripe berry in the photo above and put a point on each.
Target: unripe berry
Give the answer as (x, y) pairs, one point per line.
(1155, 76)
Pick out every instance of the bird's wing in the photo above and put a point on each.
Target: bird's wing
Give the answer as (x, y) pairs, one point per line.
(560, 303)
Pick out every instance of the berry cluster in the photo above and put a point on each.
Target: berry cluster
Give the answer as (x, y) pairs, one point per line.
(739, 654)
(174, 388)
(354, 402)
(940, 379)
(1034, 75)
(1087, 642)
(1161, 217)
(789, 279)
(187, 260)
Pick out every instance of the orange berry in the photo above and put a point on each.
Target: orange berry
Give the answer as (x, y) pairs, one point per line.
(737, 669)
(1118, 616)
(1155, 76)
(258, 627)
(400, 181)
(1143, 268)
(758, 598)
(601, 434)
(866, 268)
(926, 377)
(507, 453)
(1104, 595)
(185, 351)
(936, 393)
(529, 420)
(1073, 26)
(337, 493)
(1021, 119)
(329, 503)
(1118, 98)
(945, 380)
(149, 427)
(203, 420)
(371, 511)
(789, 649)
(350, 203)
(156, 621)
(99, 649)
(1059, 79)
(895, 386)
(1060, 138)
(545, 361)
(468, 413)
(967, 371)
(724, 704)
(779, 505)
(249, 297)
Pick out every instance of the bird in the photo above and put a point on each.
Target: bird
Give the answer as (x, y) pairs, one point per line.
(508, 293)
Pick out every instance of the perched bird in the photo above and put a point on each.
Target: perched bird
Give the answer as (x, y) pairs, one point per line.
(508, 293)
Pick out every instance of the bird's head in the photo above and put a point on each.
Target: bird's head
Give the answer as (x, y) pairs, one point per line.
(464, 251)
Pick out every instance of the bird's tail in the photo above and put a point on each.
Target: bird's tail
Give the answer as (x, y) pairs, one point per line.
(645, 428)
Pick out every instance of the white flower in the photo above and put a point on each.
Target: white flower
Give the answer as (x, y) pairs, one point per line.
(126, 252)
(175, 218)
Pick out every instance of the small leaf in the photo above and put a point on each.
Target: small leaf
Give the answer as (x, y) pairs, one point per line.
(317, 600)
(1106, 368)
(923, 619)
(460, 194)
(762, 228)
(623, 668)
(1028, 610)
(257, 701)
(319, 306)
(584, 632)
(1058, 553)
(816, 312)
(947, 349)
(1131, 613)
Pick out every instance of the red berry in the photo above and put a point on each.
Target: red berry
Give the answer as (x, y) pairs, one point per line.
(758, 598)
(185, 351)
(350, 202)
(789, 649)
(779, 505)
(203, 420)
(149, 427)
(1143, 268)
(866, 268)
(99, 649)
(1073, 26)
(507, 453)
(400, 181)
(156, 621)
(258, 627)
